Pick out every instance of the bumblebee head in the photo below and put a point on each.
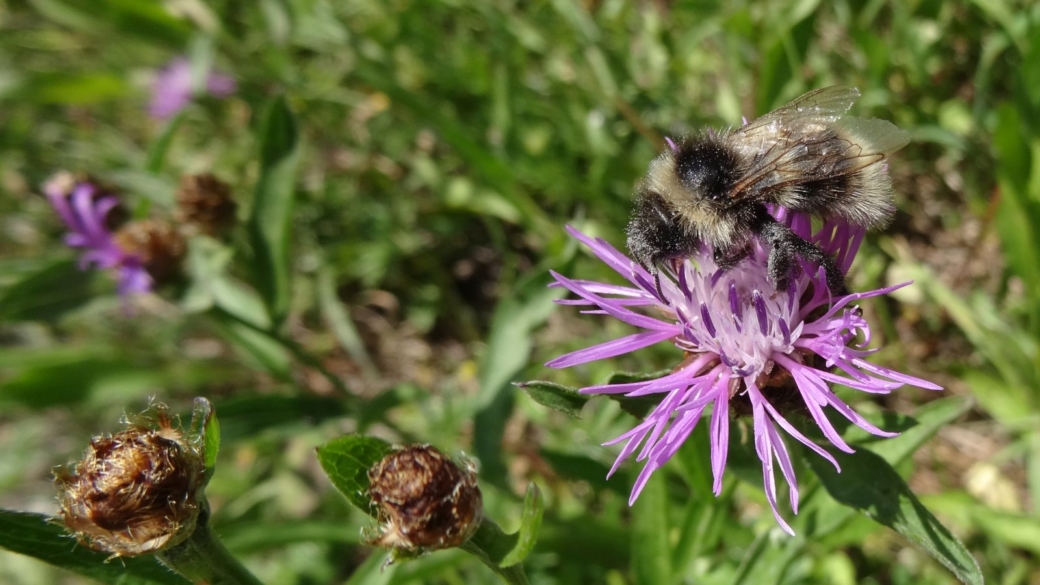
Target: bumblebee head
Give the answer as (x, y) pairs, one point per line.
(655, 233)
(707, 168)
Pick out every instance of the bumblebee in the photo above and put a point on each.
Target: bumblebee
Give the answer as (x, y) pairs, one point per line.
(807, 156)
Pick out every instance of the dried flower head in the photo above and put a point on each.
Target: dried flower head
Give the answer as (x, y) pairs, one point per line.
(156, 245)
(134, 492)
(205, 202)
(425, 500)
(174, 88)
(747, 349)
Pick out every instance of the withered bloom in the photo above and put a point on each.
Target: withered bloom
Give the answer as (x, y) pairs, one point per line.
(426, 501)
(134, 492)
(204, 202)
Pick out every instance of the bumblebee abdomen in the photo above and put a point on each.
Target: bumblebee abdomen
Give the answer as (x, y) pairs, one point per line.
(863, 197)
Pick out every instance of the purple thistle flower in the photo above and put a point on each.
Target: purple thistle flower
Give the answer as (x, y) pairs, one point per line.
(84, 209)
(746, 344)
(173, 88)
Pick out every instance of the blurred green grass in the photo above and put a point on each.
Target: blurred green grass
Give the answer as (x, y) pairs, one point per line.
(443, 147)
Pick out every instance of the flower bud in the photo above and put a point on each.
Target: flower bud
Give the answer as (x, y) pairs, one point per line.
(159, 248)
(426, 501)
(204, 202)
(134, 492)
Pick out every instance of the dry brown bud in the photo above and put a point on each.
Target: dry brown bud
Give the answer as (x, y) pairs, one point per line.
(426, 501)
(205, 202)
(159, 247)
(134, 492)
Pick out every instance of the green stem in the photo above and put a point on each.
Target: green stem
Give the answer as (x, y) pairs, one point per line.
(203, 559)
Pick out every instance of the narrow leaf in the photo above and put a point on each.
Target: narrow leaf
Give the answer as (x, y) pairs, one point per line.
(869, 484)
(530, 522)
(374, 571)
(157, 151)
(273, 205)
(501, 552)
(48, 293)
(651, 557)
(555, 396)
(205, 430)
(36, 536)
(636, 406)
(930, 418)
(508, 350)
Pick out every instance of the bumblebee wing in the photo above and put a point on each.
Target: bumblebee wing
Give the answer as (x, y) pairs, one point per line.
(820, 105)
(808, 140)
(875, 135)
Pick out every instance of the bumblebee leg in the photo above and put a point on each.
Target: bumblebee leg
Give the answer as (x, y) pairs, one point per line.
(657, 283)
(728, 258)
(785, 246)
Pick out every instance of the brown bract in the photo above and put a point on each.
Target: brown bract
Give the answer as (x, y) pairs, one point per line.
(426, 501)
(205, 202)
(158, 245)
(134, 492)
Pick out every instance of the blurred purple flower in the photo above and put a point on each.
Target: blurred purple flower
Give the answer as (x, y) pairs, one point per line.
(746, 345)
(173, 89)
(84, 208)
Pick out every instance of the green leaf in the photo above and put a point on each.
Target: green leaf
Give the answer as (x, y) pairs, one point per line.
(753, 559)
(1018, 215)
(273, 205)
(246, 415)
(342, 327)
(1013, 529)
(256, 536)
(555, 396)
(205, 432)
(823, 516)
(930, 419)
(651, 557)
(255, 343)
(509, 340)
(346, 461)
(530, 522)
(374, 571)
(158, 149)
(79, 377)
(579, 467)
(70, 88)
(509, 346)
(36, 536)
(48, 293)
(502, 552)
(636, 406)
(869, 484)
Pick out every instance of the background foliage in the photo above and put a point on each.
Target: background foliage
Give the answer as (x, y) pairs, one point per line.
(439, 149)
